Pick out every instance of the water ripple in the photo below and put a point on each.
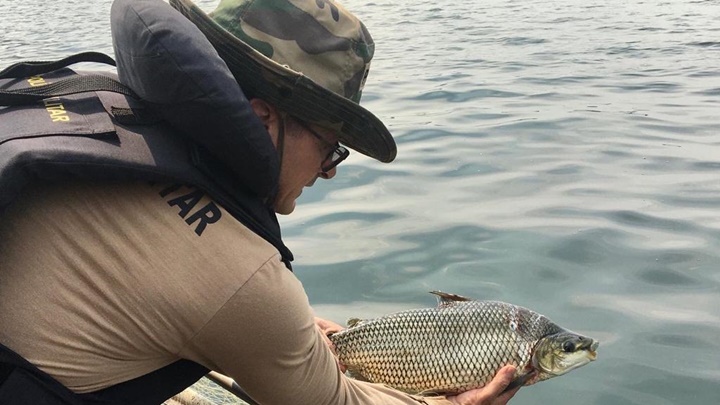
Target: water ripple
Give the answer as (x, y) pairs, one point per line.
(463, 96)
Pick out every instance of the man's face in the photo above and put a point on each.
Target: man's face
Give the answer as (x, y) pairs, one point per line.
(303, 153)
(303, 158)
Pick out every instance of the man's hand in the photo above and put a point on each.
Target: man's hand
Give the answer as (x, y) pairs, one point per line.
(327, 328)
(491, 394)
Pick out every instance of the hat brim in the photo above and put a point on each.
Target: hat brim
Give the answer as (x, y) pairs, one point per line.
(294, 92)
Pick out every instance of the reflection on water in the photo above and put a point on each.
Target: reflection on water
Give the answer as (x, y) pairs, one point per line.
(555, 154)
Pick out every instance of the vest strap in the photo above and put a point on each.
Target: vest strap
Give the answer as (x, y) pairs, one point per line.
(23, 383)
(73, 85)
(33, 68)
(135, 116)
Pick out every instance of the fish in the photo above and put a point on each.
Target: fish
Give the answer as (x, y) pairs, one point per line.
(458, 346)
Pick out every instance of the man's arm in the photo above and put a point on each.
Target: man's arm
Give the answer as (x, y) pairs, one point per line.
(266, 339)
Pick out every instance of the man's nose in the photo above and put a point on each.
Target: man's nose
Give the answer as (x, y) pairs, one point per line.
(329, 174)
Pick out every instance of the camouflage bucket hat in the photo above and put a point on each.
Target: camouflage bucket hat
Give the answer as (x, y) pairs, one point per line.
(309, 58)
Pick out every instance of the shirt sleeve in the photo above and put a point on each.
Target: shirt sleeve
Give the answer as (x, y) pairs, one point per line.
(265, 338)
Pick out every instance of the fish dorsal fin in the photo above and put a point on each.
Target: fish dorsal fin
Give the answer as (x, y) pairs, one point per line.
(445, 299)
(354, 322)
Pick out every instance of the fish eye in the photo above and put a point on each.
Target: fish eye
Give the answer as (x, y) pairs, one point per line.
(568, 347)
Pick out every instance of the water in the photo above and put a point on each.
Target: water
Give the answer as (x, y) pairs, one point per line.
(560, 155)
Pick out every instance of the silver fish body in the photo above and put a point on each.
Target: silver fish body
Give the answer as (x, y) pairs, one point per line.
(458, 346)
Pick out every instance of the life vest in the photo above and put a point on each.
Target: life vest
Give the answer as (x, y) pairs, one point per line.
(59, 125)
(108, 136)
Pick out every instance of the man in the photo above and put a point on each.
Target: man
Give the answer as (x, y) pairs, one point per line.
(112, 288)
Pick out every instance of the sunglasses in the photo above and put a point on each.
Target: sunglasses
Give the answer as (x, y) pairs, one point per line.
(336, 155)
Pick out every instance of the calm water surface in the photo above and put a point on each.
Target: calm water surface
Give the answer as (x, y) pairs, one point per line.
(560, 155)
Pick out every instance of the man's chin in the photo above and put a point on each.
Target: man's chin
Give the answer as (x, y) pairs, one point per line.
(285, 208)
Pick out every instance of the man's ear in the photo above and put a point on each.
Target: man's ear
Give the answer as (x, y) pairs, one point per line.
(267, 113)
(269, 116)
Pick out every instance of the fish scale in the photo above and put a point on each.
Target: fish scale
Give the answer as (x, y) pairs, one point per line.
(452, 348)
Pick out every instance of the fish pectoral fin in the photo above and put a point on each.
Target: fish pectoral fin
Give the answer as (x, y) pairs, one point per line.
(519, 381)
(447, 298)
(355, 374)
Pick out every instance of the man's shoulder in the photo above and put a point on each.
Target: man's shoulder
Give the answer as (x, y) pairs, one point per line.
(196, 216)
(164, 215)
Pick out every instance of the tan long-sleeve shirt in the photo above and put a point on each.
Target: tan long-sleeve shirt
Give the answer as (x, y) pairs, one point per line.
(100, 284)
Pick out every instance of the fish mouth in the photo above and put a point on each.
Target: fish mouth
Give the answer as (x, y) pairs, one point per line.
(592, 350)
